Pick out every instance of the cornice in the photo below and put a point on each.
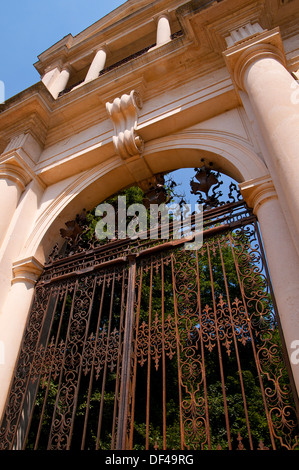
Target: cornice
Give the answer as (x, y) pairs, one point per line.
(213, 22)
(28, 111)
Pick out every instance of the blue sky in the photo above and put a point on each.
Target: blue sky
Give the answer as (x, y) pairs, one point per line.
(29, 27)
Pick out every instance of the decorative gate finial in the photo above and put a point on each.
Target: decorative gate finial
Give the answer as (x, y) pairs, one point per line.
(208, 179)
(74, 227)
(154, 190)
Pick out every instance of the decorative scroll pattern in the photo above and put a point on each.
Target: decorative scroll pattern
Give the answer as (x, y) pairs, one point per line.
(103, 351)
(11, 419)
(159, 333)
(278, 394)
(61, 428)
(196, 319)
(226, 325)
(191, 368)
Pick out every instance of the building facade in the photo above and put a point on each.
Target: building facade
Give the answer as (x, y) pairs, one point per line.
(151, 88)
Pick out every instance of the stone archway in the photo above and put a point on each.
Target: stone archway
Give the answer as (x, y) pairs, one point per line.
(56, 284)
(166, 154)
(229, 154)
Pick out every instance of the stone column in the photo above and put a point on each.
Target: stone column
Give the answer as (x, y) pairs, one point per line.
(50, 76)
(97, 65)
(57, 83)
(13, 319)
(257, 66)
(163, 30)
(282, 258)
(13, 180)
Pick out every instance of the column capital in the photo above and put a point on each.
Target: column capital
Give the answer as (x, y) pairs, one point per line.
(162, 14)
(13, 170)
(18, 160)
(102, 47)
(266, 44)
(256, 192)
(27, 270)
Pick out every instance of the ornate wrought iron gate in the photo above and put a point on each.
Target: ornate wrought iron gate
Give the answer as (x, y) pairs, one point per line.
(142, 345)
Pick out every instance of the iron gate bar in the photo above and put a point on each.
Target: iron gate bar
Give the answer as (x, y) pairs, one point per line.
(236, 347)
(105, 366)
(134, 354)
(126, 360)
(219, 353)
(50, 372)
(149, 360)
(14, 437)
(117, 385)
(203, 356)
(178, 356)
(93, 363)
(163, 357)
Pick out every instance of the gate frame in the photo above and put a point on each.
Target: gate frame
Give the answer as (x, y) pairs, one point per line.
(131, 258)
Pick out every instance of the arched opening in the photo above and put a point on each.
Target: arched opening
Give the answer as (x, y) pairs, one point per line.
(228, 153)
(146, 346)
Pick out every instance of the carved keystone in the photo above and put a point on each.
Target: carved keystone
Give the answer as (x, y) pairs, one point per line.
(124, 115)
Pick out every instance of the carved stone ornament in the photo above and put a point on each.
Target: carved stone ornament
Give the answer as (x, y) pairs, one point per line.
(27, 270)
(124, 115)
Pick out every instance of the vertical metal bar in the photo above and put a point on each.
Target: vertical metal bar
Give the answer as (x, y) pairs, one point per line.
(163, 356)
(219, 353)
(41, 365)
(203, 354)
(135, 362)
(105, 366)
(77, 386)
(61, 370)
(16, 428)
(120, 345)
(126, 360)
(92, 367)
(149, 362)
(236, 347)
(50, 371)
(178, 354)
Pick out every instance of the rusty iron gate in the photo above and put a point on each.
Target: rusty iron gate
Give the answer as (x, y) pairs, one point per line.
(142, 344)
